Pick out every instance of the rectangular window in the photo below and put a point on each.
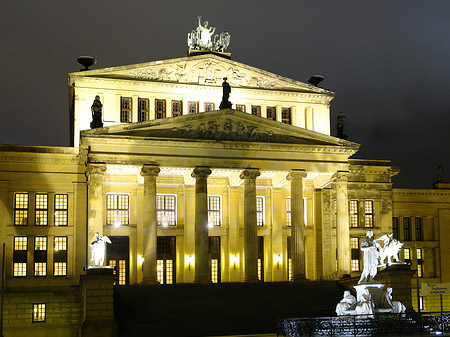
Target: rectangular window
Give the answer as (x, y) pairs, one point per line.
(256, 110)
(192, 108)
(143, 109)
(61, 209)
(125, 109)
(160, 108)
(289, 257)
(286, 115)
(60, 256)
(421, 303)
(407, 255)
(20, 256)
(260, 211)
(214, 211)
(209, 107)
(117, 209)
(406, 230)
(21, 209)
(354, 245)
(41, 209)
(395, 227)
(177, 108)
(40, 256)
(166, 206)
(419, 262)
(418, 228)
(166, 255)
(214, 270)
(271, 113)
(288, 211)
(354, 213)
(368, 213)
(240, 107)
(38, 313)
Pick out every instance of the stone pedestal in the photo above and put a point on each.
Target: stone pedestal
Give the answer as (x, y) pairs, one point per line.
(97, 291)
(375, 290)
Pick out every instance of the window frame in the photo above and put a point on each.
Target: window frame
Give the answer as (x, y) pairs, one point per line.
(214, 214)
(260, 214)
(116, 213)
(40, 259)
(175, 104)
(354, 213)
(369, 218)
(39, 315)
(19, 210)
(166, 210)
(406, 229)
(126, 109)
(288, 212)
(39, 209)
(61, 213)
(286, 115)
(418, 228)
(208, 106)
(60, 255)
(192, 107)
(240, 107)
(160, 108)
(20, 259)
(256, 110)
(271, 113)
(143, 109)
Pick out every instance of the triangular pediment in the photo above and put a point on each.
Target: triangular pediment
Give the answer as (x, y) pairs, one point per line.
(206, 69)
(223, 125)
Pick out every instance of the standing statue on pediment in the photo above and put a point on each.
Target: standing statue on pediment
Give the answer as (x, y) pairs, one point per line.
(340, 126)
(441, 173)
(96, 110)
(225, 104)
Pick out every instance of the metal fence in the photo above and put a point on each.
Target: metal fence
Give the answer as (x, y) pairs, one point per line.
(367, 325)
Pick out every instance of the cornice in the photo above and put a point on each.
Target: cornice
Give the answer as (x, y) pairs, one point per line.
(421, 192)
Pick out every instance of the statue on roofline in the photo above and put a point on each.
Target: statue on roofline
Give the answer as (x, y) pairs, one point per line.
(202, 38)
(96, 110)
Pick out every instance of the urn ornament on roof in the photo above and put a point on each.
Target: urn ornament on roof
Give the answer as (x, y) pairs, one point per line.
(203, 38)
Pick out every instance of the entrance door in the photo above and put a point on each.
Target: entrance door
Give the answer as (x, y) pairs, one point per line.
(118, 257)
(214, 255)
(166, 256)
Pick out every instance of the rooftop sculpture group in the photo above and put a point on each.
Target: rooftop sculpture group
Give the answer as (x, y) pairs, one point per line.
(202, 38)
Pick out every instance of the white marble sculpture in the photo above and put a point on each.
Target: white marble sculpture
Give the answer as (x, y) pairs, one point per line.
(365, 306)
(98, 249)
(203, 38)
(387, 302)
(348, 302)
(390, 250)
(371, 249)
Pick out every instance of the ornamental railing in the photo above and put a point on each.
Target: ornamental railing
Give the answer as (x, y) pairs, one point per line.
(367, 325)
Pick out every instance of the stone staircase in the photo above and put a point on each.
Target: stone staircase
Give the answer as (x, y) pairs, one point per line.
(219, 309)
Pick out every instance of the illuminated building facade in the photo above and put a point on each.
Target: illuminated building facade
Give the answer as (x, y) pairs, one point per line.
(189, 193)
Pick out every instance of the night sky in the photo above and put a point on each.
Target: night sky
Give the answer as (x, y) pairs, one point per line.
(388, 61)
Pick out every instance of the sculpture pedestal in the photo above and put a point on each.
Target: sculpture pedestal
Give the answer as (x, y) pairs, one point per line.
(375, 290)
(97, 291)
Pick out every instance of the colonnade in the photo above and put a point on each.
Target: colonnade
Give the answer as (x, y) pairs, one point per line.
(96, 171)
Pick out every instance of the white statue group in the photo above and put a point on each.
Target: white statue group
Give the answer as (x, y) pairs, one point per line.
(372, 252)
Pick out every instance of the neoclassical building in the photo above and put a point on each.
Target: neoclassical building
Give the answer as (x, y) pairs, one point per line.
(190, 193)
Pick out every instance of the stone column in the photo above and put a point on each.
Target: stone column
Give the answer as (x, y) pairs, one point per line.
(297, 224)
(95, 173)
(250, 224)
(342, 223)
(149, 172)
(202, 272)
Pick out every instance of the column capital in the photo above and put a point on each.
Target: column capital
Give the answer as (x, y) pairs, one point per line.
(201, 172)
(297, 175)
(340, 177)
(150, 170)
(251, 173)
(96, 168)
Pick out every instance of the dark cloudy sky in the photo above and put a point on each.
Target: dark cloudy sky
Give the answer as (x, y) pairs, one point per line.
(388, 61)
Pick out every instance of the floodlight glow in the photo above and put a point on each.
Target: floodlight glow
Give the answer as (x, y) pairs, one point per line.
(140, 259)
(116, 224)
(277, 258)
(189, 259)
(234, 259)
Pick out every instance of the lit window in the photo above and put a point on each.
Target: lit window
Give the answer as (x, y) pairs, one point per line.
(166, 255)
(192, 107)
(117, 209)
(419, 262)
(160, 271)
(40, 256)
(41, 210)
(214, 211)
(368, 213)
(407, 254)
(160, 108)
(418, 227)
(240, 107)
(214, 270)
(256, 110)
(354, 245)
(209, 107)
(143, 109)
(355, 265)
(260, 211)
(422, 303)
(122, 272)
(289, 257)
(272, 113)
(406, 230)
(177, 108)
(38, 312)
(20, 256)
(395, 227)
(61, 209)
(214, 255)
(60, 256)
(354, 216)
(21, 209)
(288, 211)
(125, 109)
(286, 115)
(259, 269)
(166, 210)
